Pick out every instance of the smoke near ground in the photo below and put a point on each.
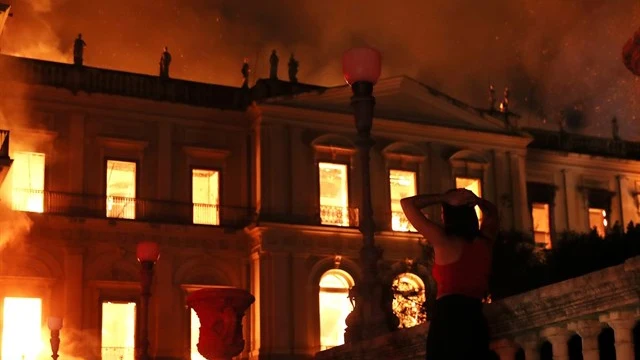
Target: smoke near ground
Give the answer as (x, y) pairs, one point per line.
(557, 56)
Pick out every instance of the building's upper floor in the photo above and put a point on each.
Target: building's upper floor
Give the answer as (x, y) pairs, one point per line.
(95, 142)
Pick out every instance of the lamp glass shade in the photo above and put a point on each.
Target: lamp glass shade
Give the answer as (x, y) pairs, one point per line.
(54, 323)
(148, 251)
(361, 64)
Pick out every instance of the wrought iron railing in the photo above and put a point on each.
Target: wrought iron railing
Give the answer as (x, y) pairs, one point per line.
(95, 206)
(4, 144)
(339, 216)
(118, 353)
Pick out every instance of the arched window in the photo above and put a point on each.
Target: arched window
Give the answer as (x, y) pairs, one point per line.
(335, 306)
(408, 300)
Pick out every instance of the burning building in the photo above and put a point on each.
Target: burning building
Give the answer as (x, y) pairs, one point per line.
(250, 188)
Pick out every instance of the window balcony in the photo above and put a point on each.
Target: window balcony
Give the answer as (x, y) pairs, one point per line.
(339, 216)
(115, 207)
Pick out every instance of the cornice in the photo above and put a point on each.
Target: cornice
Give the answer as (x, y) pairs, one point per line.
(575, 160)
(207, 153)
(384, 127)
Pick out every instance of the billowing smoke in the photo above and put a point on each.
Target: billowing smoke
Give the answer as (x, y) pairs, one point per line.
(553, 54)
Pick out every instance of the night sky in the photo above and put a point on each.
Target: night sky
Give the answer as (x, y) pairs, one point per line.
(557, 56)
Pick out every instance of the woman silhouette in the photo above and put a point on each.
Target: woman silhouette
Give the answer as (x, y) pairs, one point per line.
(458, 329)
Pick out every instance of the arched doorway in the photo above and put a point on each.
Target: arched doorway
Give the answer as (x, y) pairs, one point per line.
(335, 306)
(409, 297)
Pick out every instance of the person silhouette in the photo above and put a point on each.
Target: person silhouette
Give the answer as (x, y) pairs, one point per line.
(463, 255)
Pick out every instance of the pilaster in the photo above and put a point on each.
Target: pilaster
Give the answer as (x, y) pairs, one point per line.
(588, 331)
(530, 344)
(558, 337)
(521, 216)
(622, 323)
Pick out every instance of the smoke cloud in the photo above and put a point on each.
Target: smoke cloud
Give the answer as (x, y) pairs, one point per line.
(555, 55)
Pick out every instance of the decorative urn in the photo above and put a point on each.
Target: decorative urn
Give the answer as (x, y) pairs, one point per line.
(220, 311)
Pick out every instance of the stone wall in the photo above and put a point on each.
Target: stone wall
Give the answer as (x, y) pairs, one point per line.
(552, 314)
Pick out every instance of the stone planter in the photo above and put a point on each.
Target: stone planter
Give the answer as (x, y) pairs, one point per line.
(220, 311)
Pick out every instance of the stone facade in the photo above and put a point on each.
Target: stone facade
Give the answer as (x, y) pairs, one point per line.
(270, 239)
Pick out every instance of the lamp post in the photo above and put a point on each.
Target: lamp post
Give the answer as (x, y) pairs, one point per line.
(54, 324)
(361, 68)
(148, 253)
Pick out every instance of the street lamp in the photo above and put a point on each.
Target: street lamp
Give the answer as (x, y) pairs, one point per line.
(361, 68)
(54, 324)
(148, 253)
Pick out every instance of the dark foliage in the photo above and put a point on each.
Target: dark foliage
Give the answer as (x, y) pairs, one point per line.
(518, 266)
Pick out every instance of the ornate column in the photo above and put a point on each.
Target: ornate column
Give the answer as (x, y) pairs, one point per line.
(622, 324)
(530, 344)
(588, 331)
(506, 349)
(558, 337)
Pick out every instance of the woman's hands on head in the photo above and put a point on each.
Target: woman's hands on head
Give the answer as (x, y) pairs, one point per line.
(460, 197)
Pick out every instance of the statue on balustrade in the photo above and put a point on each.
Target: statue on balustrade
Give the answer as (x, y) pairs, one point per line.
(78, 50)
(165, 62)
(462, 265)
(615, 129)
(273, 61)
(245, 73)
(293, 69)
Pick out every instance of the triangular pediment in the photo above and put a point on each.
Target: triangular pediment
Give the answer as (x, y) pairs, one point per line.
(404, 99)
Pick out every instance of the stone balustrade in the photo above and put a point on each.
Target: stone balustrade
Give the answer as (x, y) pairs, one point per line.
(595, 316)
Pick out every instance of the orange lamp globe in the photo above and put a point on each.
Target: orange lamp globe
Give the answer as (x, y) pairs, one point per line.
(148, 251)
(54, 323)
(361, 64)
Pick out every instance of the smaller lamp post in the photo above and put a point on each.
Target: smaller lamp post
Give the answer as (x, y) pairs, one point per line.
(148, 253)
(54, 324)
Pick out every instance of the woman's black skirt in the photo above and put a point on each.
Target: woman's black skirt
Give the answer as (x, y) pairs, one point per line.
(458, 330)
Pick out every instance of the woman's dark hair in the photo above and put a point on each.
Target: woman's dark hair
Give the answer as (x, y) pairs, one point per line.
(460, 221)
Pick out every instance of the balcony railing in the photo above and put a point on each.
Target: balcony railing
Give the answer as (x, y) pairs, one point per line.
(103, 81)
(4, 144)
(339, 216)
(118, 353)
(94, 206)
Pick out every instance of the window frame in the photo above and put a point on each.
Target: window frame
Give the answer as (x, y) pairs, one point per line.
(45, 183)
(219, 170)
(416, 172)
(350, 207)
(118, 299)
(543, 193)
(137, 199)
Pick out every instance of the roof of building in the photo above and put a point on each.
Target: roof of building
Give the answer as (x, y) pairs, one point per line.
(397, 98)
(405, 99)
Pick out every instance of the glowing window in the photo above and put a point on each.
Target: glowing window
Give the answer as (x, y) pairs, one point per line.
(205, 189)
(121, 189)
(541, 224)
(118, 331)
(408, 300)
(195, 333)
(473, 185)
(334, 194)
(598, 220)
(28, 182)
(403, 184)
(22, 328)
(335, 306)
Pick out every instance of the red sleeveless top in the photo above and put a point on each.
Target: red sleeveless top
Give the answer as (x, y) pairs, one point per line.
(469, 275)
